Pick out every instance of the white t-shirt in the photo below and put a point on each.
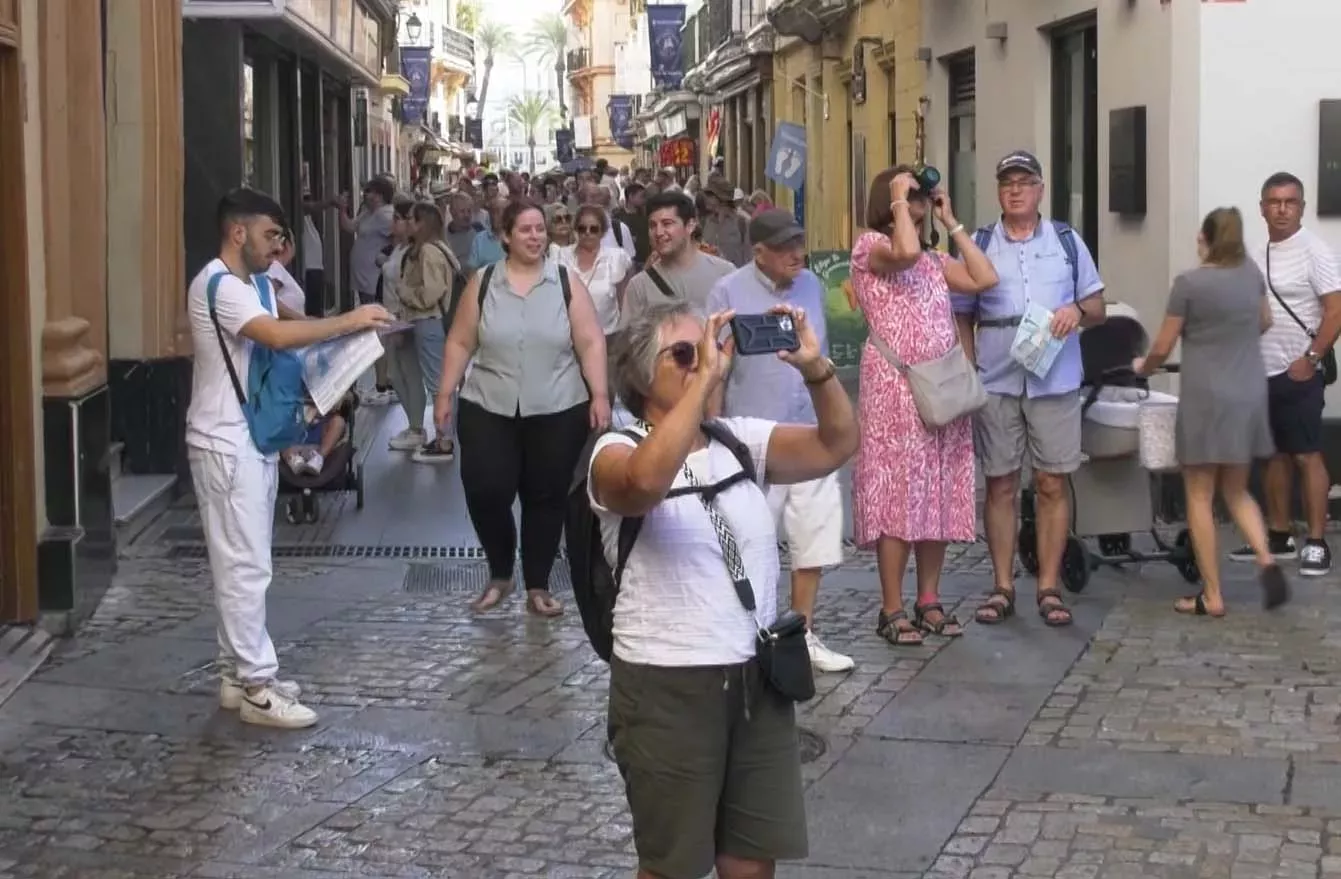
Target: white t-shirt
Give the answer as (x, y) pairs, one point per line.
(286, 288)
(611, 266)
(1303, 268)
(214, 421)
(314, 259)
(625, 235)
(391, 280)
(677, 606)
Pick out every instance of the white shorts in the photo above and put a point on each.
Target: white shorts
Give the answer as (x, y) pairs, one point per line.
(810, 514)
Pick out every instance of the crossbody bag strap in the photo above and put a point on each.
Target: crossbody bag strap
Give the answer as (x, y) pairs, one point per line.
(664, 287)
(887, 352)
(1312, 334)
(211, 292)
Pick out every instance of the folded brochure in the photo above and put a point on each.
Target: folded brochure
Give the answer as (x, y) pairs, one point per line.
(1035, 348)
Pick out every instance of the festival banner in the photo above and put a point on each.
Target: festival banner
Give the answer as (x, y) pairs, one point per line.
(620, 112)
(664, 23)
(414, 66)
(845, 322)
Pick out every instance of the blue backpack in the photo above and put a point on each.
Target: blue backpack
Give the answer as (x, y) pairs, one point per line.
(1065, 234)
(274, 401)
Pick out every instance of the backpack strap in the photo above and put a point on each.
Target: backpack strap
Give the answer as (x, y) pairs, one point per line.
(615, 227)
(629, 528)
(567, 286)
(1067, 236)
(661, 283)
(211, 293)
(486, 278)
(983, 237)
(717, 430)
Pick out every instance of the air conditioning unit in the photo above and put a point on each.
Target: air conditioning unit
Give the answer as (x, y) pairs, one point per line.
(808, 20)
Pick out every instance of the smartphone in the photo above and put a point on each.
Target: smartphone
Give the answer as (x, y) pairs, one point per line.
(764, 333)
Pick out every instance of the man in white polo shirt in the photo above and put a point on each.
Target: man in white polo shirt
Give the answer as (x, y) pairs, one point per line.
(1303, 282)
(762, 386)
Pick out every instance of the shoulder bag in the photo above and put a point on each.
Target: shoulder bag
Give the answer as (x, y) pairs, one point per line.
(1328, 362)
(944, 389)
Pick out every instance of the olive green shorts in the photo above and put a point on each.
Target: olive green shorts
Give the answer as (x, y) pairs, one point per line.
(711, 766)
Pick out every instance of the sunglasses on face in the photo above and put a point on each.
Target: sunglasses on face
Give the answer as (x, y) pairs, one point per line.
(589, 230)
(684, 354)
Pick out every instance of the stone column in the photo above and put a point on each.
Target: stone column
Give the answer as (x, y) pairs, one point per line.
(74, 356)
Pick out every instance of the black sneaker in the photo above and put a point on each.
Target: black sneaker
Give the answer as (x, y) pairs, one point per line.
(1280, 543)
(1315, 559)
(435, 452)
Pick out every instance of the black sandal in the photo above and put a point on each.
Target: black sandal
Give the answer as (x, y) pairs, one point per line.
(887, 627)
(1049, 603)
(1197, 607)
(999, 607)
(947, 626)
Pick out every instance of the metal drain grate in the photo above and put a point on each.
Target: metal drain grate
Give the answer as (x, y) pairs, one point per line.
(343, 551)
(431, 579)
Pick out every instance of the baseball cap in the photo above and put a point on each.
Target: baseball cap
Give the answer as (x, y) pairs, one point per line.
(775, 228)
(1020, 160)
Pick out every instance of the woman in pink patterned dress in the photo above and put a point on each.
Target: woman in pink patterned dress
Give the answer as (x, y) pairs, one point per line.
(912, 486)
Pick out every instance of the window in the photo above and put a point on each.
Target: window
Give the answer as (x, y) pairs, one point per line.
(1075, 130)
(892, 110)
(962, 172)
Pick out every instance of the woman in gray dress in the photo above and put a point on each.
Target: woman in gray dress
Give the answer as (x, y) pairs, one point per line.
(1220, 310)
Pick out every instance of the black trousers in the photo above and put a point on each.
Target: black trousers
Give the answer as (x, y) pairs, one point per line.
(314, 289)
(534, 457)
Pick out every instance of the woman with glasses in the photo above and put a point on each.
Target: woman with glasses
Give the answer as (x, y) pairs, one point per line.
(604, 270)
(559, 223)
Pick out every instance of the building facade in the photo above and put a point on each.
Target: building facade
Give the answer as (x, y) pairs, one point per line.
(854, 88)
(84, 147)
(597, 28)
(434, 144)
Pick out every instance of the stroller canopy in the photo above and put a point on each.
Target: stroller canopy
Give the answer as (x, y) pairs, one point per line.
(1111, 345)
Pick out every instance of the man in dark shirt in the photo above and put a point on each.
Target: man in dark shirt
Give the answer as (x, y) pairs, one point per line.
(634, 215)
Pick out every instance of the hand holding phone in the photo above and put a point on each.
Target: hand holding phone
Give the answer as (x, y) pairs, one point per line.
(764, 333)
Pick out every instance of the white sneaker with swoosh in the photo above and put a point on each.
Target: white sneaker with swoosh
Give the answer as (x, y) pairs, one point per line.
(232, 691)
(267, 706)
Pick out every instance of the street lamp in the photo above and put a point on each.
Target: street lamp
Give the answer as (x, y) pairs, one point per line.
(413, 28)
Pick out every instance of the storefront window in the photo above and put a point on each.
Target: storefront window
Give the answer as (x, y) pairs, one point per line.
(1075, 131)
(962, 173)
(248, 124)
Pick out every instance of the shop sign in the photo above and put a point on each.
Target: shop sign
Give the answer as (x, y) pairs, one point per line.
(787, 156)
(677, 153)
(675, 123)
(844, 321)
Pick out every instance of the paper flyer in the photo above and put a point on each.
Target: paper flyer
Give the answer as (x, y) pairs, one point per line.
(1035, 348)
(330, 368)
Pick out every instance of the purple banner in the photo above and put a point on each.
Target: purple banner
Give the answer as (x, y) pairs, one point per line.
(664, 24)
(620, 110)
(415, 62)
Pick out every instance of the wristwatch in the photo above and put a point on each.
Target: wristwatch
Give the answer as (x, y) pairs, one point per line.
(829, 372)
(1312, 356)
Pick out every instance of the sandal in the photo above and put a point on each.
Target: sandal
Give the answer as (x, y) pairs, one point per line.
(905, 635)
(493, 595)
(1196, 606)
(1052, 609)
(999, 607)
(542, 604)
(946, 626)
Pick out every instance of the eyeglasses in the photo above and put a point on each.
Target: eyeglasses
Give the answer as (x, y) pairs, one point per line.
(1018, 184)
(683, 353)
(589, 230)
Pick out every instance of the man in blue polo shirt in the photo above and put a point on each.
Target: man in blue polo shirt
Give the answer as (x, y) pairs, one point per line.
(1045, 263)
(762, 386)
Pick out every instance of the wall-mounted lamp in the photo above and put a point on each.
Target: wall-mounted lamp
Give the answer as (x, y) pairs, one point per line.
(996, 30)
(413, 28)
(923, 54)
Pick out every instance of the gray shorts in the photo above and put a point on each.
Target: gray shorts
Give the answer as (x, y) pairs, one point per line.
(1048, 428)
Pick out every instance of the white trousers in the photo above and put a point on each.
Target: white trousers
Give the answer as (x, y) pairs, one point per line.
(236, 498)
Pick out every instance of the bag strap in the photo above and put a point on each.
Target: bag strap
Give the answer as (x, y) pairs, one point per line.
(1312, 334)
(716, 430)
(629, 527)
(887, 352)
(618, 232)
(983, 237)
(486, 278)
(1067, 236)
(567, 286)
(657, 279)
(211, 293)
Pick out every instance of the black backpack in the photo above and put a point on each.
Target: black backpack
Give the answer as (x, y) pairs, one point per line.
(595, 583)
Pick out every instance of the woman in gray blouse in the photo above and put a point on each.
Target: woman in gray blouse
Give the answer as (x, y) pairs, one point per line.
(535, 392)
(1220, 310)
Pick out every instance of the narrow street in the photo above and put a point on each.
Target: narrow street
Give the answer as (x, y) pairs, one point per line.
(1136, 744)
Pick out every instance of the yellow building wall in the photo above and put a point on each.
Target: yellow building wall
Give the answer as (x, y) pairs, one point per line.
(809, 80)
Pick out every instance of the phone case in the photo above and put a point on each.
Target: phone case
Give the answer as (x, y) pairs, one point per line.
(764, 333)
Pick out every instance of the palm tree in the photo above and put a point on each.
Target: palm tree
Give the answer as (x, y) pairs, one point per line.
(491, 38)
(530, 111)
(548, 41)
(468, 16)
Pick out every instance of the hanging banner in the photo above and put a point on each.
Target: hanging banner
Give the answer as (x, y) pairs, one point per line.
(620, 112)
(787, 156)
(714, 131)
(677, 153)
(664, 24)
(414, 66)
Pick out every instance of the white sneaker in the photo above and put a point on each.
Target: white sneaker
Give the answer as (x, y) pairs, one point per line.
(231, 692)
(314, 463)
(408, 440)
(824, 659)
(269, 707)
(295, 461)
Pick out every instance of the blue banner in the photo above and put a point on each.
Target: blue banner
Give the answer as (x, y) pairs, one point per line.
(414, 66)
(620, 111)
(664, 23)
(787, 156)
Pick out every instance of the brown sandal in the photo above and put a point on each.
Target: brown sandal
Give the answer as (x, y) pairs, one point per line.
(906, 635)
(1049, 603)
(493, 595)
(542, 604)
(999, 607)
(947, 626)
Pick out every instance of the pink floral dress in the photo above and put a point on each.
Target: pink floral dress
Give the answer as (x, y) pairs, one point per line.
(909, 482)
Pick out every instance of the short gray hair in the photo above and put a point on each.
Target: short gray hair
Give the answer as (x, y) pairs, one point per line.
(635, 355)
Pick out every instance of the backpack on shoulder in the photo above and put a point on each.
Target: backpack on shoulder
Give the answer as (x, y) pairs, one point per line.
(1065, 234)
(274, 402)
(595, 580)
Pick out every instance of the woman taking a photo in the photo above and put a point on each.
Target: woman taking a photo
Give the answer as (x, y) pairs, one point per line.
(912, 486)
(535, 392)
(603, 270)
(1219, 310)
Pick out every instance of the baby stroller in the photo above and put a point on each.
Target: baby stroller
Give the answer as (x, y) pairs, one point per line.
(340, 472)
(1112, 496)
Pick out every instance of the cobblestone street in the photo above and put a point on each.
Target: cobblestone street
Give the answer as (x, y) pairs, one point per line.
(1137, 744)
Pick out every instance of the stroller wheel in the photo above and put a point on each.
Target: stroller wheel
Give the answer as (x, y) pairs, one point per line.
(1075, 565)
(292, 514)
(1026, 546)
(1183, 558)
(311, 510)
